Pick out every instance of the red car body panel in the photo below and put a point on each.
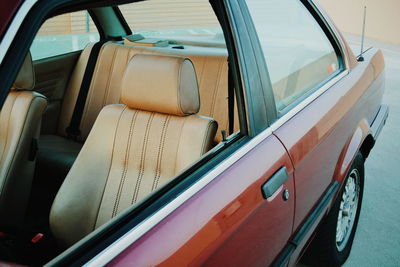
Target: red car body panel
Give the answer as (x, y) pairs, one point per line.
(7, 11)
(315, 140)
(240, 227)
(321, 146)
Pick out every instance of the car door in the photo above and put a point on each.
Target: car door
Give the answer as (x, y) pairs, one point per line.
(236, 209)
(52, 75)
(228, 221)
(306, 64)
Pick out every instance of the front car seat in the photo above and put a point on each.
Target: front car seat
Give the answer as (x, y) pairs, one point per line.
(134, 147)
(20, 121)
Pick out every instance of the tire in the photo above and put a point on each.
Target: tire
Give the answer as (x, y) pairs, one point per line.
(331, 245)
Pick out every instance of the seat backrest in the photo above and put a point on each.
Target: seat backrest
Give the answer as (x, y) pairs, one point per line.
(20, 119)
(211, 70)
(134, 147)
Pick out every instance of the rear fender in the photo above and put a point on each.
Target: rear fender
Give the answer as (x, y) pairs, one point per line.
(361, 133)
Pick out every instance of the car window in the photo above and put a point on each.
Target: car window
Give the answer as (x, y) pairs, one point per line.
(298, 54)
(63, 34)
(180, 19)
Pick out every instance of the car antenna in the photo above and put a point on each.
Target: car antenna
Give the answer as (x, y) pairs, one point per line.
(360, 57)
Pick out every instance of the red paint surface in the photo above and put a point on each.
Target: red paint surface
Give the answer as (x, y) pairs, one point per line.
(227, 222)
(8, 9)
(324, 137)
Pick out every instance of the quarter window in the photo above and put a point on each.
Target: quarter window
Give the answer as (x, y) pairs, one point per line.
(180, 20)
(298, 54)
(64, 34)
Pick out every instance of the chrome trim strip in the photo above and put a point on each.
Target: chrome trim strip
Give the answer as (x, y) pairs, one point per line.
(379, 121)
(14, 26)
(335, 32)
(278, 123)
(296, 109)
(135, 233)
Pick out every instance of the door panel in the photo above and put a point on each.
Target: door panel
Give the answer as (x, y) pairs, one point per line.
(227, 222)
(52, 75)
(315, 140)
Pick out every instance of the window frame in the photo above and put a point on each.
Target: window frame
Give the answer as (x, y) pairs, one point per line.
(28, 23)
(99, 29)
(338, 45)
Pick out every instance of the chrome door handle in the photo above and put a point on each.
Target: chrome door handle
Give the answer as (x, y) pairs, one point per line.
(275, 182)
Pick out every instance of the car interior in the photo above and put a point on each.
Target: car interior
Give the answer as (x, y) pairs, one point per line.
(88, 134)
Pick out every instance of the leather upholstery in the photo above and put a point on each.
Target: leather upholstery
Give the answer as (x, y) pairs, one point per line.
(20, 119)
(72, 90)
(105, 89)
(174, 91)
(26, 75)
(128, 154)
(212, 76)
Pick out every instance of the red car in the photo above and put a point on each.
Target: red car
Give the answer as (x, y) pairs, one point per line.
(175, 133)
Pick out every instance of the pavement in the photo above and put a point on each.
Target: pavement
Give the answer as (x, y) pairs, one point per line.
(377, 240)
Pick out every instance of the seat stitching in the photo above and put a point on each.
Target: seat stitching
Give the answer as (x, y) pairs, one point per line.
(109, 169)
(216, 90)
(142, 158)
(178, 95)
(8, 123)
(179, 142)
(126, 160)
(206, 136)
(8, 131)
(201, 73)
(90, 93)
(110, 74)
(160, 153)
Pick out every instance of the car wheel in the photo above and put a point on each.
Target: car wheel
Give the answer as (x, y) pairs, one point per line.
(334, 238)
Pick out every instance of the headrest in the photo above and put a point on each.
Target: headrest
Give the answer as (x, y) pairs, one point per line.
(26, 76)
(163, 84)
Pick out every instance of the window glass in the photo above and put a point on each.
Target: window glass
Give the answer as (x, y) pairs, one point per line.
(298, 54)
(177, 19)
(63, 34)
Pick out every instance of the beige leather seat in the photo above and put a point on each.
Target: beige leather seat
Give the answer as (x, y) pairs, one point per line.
(105, 88)
(59, 153)
(20, 119)
(134, 147)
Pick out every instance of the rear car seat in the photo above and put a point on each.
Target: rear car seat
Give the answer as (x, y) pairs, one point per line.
(20, 119)
(134, 147)
(212, 75)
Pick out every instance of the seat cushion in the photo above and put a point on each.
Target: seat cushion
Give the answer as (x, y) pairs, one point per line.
(131, 152)
(211, 71)
(128, 154)
(20, 119)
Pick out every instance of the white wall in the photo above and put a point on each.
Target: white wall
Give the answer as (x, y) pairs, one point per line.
(383, 17)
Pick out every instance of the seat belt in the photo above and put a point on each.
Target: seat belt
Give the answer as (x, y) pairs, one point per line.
(73, 130)
(231, 99)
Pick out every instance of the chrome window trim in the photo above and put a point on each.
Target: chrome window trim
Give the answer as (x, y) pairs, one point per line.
(334, 31)
(314, 95)
(14, 27)
(296, 109)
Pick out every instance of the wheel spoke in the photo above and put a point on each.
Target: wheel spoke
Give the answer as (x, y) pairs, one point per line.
(347, 209)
